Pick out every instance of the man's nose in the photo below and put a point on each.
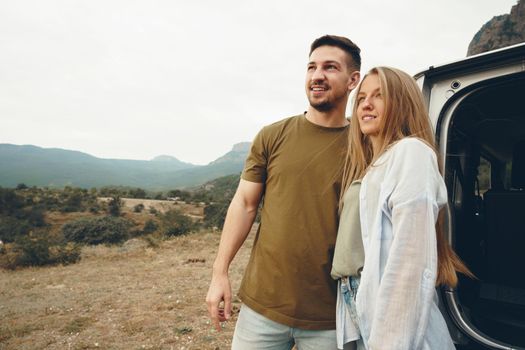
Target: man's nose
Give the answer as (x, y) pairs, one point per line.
(317, 75)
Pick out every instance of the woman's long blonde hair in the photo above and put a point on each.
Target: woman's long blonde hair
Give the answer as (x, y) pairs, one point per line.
(405, 115)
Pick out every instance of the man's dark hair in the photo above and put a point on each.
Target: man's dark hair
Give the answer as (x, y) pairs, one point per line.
(344, 44)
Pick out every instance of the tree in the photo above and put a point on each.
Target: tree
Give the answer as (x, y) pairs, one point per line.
(137, 193)
(21, 186)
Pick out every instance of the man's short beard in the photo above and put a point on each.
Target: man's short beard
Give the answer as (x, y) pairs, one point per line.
(328, 104)
(325, 106)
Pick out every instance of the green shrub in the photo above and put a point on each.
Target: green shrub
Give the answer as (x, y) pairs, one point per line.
(214, 214)
(11, 228)
(175, 223)
(72, 201)
(150, 226)
(137, 193)
(10, 201)
(35, 250)
(107, 229)
(94, 209)
(65, 254)
(138, 208)
(114, 206)
(35, 216)
(19, 213)
(38, 249)
(153, 240)
(159, 196)
(21, 186)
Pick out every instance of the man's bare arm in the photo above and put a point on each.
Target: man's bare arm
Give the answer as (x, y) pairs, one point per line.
(239, 220)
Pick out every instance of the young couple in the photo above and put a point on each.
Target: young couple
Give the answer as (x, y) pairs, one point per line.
(347, 254)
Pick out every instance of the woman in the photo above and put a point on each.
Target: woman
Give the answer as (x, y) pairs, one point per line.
(392, 303)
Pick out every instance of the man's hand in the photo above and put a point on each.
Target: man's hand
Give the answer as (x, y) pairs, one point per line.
(237, 224)
(219, 291)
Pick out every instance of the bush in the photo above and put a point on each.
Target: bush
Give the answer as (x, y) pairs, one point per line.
(150, 226)
(72, 201)
(37, 250)
(21, 186)
(94, 209)
(114, 206)
(137, 193)
(35, 216)
(175, 223)
(138, 208)
(19, 214)
(10, 201)
(11, 228)
(180, 194)
(214, 214)
(97, 230)
(153, 241)
(65, 254)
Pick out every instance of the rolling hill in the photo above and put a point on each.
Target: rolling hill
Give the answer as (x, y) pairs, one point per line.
(53, 167)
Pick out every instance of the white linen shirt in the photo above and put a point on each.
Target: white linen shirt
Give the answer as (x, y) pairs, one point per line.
(396, 302)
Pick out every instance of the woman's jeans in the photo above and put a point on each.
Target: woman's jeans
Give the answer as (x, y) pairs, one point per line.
(349, 286)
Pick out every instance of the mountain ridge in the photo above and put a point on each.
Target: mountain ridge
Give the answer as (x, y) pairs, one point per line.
(500, 31)
(57, 167)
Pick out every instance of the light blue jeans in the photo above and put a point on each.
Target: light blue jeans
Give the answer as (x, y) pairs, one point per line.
(253, 331)
(349, 286)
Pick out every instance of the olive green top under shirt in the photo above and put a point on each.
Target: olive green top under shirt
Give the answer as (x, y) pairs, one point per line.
(349, 255)
(288, 276)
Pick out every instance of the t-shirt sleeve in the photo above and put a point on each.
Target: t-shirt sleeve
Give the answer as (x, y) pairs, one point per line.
(255, 167)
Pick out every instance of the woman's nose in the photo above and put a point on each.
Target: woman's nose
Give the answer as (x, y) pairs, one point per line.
(366, 104)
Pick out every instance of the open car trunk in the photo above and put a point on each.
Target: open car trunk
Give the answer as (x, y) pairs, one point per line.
(485, 175)
(478, 108)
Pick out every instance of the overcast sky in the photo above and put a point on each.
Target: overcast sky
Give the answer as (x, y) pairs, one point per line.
(136, 79)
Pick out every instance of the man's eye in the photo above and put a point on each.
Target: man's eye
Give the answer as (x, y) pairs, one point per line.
(331, 67)
(309, 68)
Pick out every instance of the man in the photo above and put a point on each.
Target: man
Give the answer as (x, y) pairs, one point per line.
(287, 293)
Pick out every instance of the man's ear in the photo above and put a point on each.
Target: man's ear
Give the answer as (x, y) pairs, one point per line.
(354, 80)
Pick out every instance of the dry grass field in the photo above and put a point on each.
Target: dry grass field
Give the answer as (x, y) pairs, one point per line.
(141, 295)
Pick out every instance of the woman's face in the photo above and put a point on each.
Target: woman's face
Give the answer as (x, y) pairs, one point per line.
(370, 106)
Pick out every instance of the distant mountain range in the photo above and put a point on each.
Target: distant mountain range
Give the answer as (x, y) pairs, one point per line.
(54, 167)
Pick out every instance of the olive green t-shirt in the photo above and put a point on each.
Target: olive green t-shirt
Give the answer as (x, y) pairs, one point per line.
(288, 276)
